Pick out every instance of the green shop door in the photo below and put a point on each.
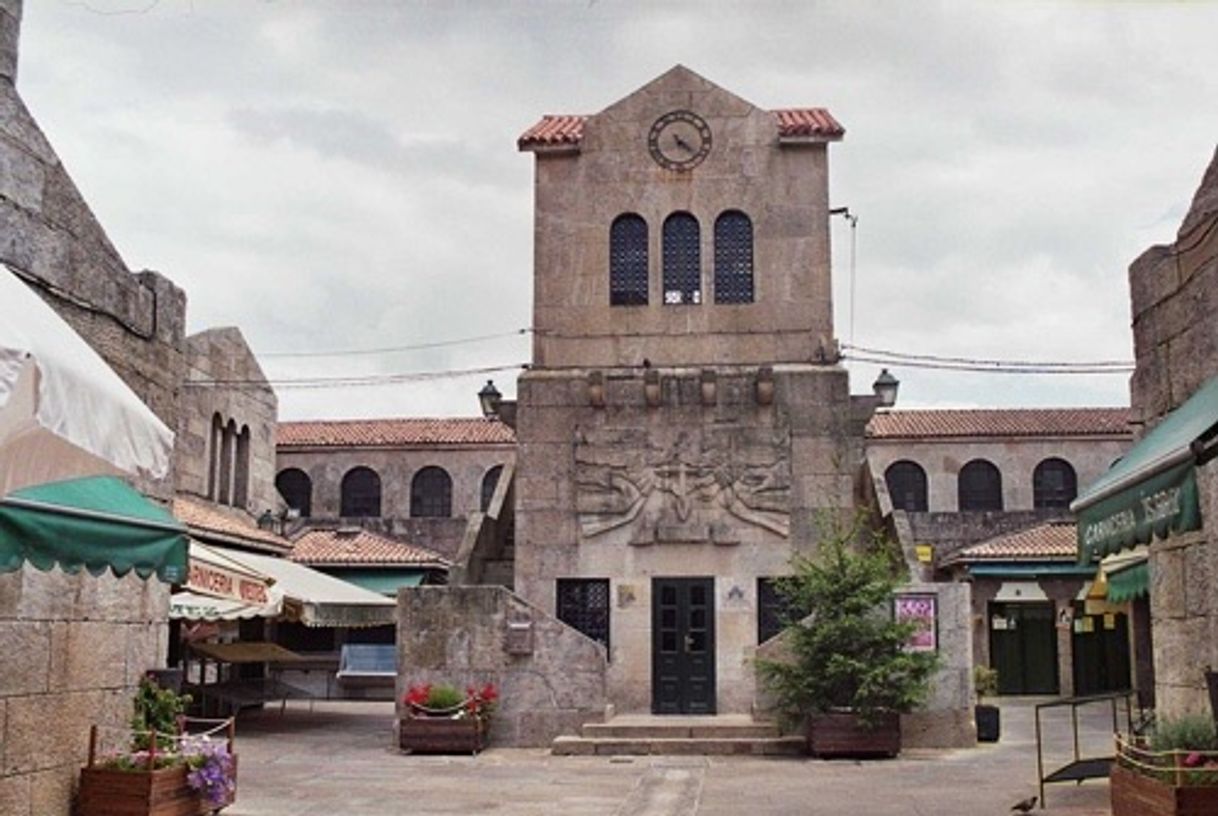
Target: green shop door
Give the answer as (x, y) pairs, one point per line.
(1023, 647)
(683, 646)
(1101, 652)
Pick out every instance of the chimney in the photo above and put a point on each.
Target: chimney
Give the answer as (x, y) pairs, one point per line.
(10, 32)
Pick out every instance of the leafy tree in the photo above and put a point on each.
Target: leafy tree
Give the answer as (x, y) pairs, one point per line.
(845, 649)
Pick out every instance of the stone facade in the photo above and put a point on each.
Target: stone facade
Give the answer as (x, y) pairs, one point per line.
(245, 409)
(690, 439)
(1174, 294)
(550, 678)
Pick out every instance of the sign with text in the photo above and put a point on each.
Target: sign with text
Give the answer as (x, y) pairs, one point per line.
(922, 610)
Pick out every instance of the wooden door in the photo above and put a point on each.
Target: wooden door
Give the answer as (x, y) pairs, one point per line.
(683, 646)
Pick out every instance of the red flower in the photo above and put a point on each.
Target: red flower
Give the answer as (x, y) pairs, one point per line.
(417, 695)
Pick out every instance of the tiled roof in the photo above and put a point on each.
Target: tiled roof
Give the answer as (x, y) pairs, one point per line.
(387, 432)
(1054, 541)
(358, 546)
(989, 422)
(211, 522)
(563, 130)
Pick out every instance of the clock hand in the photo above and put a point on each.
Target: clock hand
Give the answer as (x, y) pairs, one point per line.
(681, 143)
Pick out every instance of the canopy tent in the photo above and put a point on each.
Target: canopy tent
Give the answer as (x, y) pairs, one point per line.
(219, 587)
(1152, 490)
(305, 595)
(98, 522)
(1127, 574)
(64, 413)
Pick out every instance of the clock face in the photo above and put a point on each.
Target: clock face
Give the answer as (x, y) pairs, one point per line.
(679, 140)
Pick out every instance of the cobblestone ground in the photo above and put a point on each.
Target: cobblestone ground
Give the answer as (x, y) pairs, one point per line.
(337, 760)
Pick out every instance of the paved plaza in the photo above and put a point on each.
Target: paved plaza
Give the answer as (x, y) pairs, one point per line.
(337, 760)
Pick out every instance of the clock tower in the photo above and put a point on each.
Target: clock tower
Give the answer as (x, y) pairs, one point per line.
(685, 421)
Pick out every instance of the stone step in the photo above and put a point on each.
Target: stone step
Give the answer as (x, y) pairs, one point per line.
(662, 728)
(688, 746)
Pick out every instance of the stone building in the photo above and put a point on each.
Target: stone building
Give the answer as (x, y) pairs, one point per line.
(413, 479)
(75, 645)
(1166, 486)
(685, 419)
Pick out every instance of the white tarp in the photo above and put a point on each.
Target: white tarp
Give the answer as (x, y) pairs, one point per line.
(63, 411)
(220, 587)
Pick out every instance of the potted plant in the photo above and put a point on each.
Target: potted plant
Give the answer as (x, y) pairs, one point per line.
(848, 673)
(1172, 772)
(439, 718)
(988, 717)
(162, 770)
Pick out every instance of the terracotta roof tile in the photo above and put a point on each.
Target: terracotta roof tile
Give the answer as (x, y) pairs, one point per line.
(988, 422)
(319, 547)
(393, 432)
(568, 130)
(1054, 541)
(212, 522)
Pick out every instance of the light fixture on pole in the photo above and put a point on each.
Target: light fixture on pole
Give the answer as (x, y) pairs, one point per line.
(490, 399)
(885, 388)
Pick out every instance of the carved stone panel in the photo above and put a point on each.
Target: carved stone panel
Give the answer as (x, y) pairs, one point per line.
(682, 484)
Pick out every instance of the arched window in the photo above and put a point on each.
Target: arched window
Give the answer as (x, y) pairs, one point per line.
(907, 486)
(213, 461)
(431, 493)
(980, 486)
(241, 469)
(297, 490)
(489, 482)
(228, 449)
(1054, 484)
(682, 259)
(733, 258)
(361, 493)
(628, 261)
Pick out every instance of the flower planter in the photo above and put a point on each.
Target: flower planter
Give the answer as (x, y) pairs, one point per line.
(441, 735)
(842, 734)
(1135, 794)
(163, 792)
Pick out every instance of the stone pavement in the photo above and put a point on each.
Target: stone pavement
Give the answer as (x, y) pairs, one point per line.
(337, 760)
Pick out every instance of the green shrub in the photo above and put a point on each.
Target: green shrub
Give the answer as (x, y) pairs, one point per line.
(444, 696)
(985, 681)
(1189, 732)
(156, 709)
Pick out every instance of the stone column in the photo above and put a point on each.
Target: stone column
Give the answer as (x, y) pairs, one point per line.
(10, 33)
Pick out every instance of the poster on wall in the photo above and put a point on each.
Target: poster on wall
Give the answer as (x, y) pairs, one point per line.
(922, 611)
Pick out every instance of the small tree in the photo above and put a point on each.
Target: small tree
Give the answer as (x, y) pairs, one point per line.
(846, 650)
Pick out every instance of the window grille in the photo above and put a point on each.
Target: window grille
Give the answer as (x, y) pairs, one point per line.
(296, 488)
(583, 604)
(979, 486)
(772, 609)
(907, 486)
(431, 493)
(682, 260)
(733, 258)
(1054, 484)
(361, 493)
(489, 482)
(628, 261)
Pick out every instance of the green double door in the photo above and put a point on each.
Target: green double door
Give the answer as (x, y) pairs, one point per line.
(1023, 647)
(683, 646)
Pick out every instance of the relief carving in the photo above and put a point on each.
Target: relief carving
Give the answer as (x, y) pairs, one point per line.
(694, 482)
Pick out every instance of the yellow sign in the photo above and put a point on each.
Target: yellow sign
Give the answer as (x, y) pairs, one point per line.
(1109, 621)
(926, 553)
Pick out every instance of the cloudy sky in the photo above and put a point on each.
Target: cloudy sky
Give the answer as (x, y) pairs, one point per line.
(338, 176)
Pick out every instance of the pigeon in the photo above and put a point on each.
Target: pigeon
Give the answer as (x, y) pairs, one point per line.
(1024, 806)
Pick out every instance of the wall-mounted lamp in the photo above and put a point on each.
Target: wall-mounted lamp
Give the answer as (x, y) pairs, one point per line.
(764, 386)
(885, 388)
(651, 387)
(490, 399)
(596, 389)
(708, 386)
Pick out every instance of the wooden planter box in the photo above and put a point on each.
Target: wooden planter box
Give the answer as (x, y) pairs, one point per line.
(441, 735)
(841, 734)
(164, 792)
(1134, 794)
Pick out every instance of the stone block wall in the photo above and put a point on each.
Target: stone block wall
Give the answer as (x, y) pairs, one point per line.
(1174, 297)
(550, 684)
(74, 647)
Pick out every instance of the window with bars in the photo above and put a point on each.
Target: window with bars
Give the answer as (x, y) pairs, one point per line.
(733, 258)
(906, 486)
(979, 486)
(361, 493)
(296, 488)
(771, 609)
(583, 604)
(1054, 484)
(628, 261)
(682, 259)
(489, 482)
(431, 493)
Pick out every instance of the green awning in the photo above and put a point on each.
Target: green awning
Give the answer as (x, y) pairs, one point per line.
(1152, 490)
(98, 522)
(1025, 570)
(1129, 583)
(382, 581)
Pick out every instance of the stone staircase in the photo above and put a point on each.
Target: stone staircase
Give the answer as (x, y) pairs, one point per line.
(642, 734)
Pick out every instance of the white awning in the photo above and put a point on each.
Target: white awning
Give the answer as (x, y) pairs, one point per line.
(194, 606)
(221, 587)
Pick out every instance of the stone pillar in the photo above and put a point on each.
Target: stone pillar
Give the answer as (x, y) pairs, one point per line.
(10, 33)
